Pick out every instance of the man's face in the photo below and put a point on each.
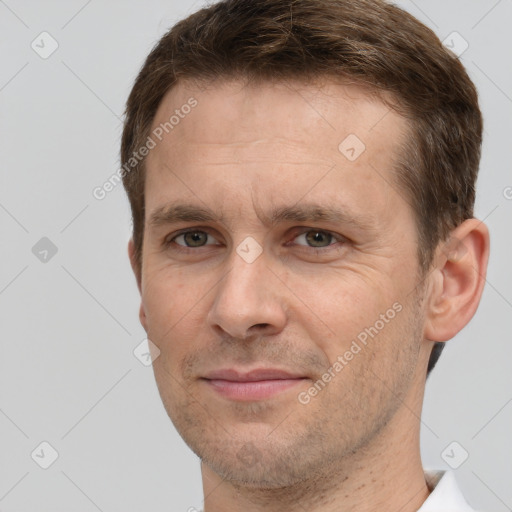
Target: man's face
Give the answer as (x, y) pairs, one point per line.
(280, 248)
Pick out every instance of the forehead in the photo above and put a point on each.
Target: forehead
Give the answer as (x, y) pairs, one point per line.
(283, 138)
(239, 110)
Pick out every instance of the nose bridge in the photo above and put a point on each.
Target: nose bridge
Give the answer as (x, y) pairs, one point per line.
(247, 296)
(242, 278)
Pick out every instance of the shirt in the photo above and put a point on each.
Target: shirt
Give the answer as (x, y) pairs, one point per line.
(445, 495)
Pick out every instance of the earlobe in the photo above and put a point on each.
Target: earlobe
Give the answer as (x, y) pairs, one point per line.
(142, 317)
(458, 280)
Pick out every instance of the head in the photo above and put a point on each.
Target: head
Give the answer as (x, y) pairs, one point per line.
(350, 119)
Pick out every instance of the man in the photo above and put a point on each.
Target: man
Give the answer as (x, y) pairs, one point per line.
(301, 176)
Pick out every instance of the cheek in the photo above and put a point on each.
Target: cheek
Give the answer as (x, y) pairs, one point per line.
(168, 293)
(175, 311)
(336, 309)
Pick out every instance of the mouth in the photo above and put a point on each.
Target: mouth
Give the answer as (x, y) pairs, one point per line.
(259, 384)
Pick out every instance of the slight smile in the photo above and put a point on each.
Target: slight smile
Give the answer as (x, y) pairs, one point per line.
(254, 385)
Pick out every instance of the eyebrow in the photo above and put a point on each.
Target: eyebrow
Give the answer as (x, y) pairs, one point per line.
(310, 212)
(172, 214)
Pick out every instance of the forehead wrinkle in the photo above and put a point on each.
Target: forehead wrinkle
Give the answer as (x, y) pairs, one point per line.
(260, 214)
(312, 212)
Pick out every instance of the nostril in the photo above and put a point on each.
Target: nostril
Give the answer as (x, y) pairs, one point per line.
(260, 326)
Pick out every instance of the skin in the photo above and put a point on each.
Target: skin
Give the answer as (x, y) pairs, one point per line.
(243, 152)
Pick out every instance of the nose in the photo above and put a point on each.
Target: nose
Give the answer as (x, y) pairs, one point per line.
(249, 300)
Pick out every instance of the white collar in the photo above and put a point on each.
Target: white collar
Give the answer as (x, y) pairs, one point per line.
(446, 495)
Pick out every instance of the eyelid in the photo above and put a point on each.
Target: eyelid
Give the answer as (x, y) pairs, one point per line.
(296, 232)
(169, 239)
(302, 230)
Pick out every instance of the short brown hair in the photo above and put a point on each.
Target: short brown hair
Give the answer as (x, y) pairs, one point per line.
(371, 42)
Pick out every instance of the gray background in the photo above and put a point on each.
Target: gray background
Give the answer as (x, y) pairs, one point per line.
(68, 375)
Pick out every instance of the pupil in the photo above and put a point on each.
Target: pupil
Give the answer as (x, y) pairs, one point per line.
(318, 238)
(195, 238)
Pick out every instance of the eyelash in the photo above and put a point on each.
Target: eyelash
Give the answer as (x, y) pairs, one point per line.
(183, 248)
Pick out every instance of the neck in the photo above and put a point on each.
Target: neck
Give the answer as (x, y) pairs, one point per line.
(386, 474)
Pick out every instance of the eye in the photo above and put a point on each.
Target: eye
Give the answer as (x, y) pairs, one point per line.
(316, 238)
(194, 238)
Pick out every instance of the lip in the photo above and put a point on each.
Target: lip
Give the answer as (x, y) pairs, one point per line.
(258, 384)
(252, 376)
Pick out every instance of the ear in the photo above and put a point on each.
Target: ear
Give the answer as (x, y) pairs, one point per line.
(137, 271)
(458, 280)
